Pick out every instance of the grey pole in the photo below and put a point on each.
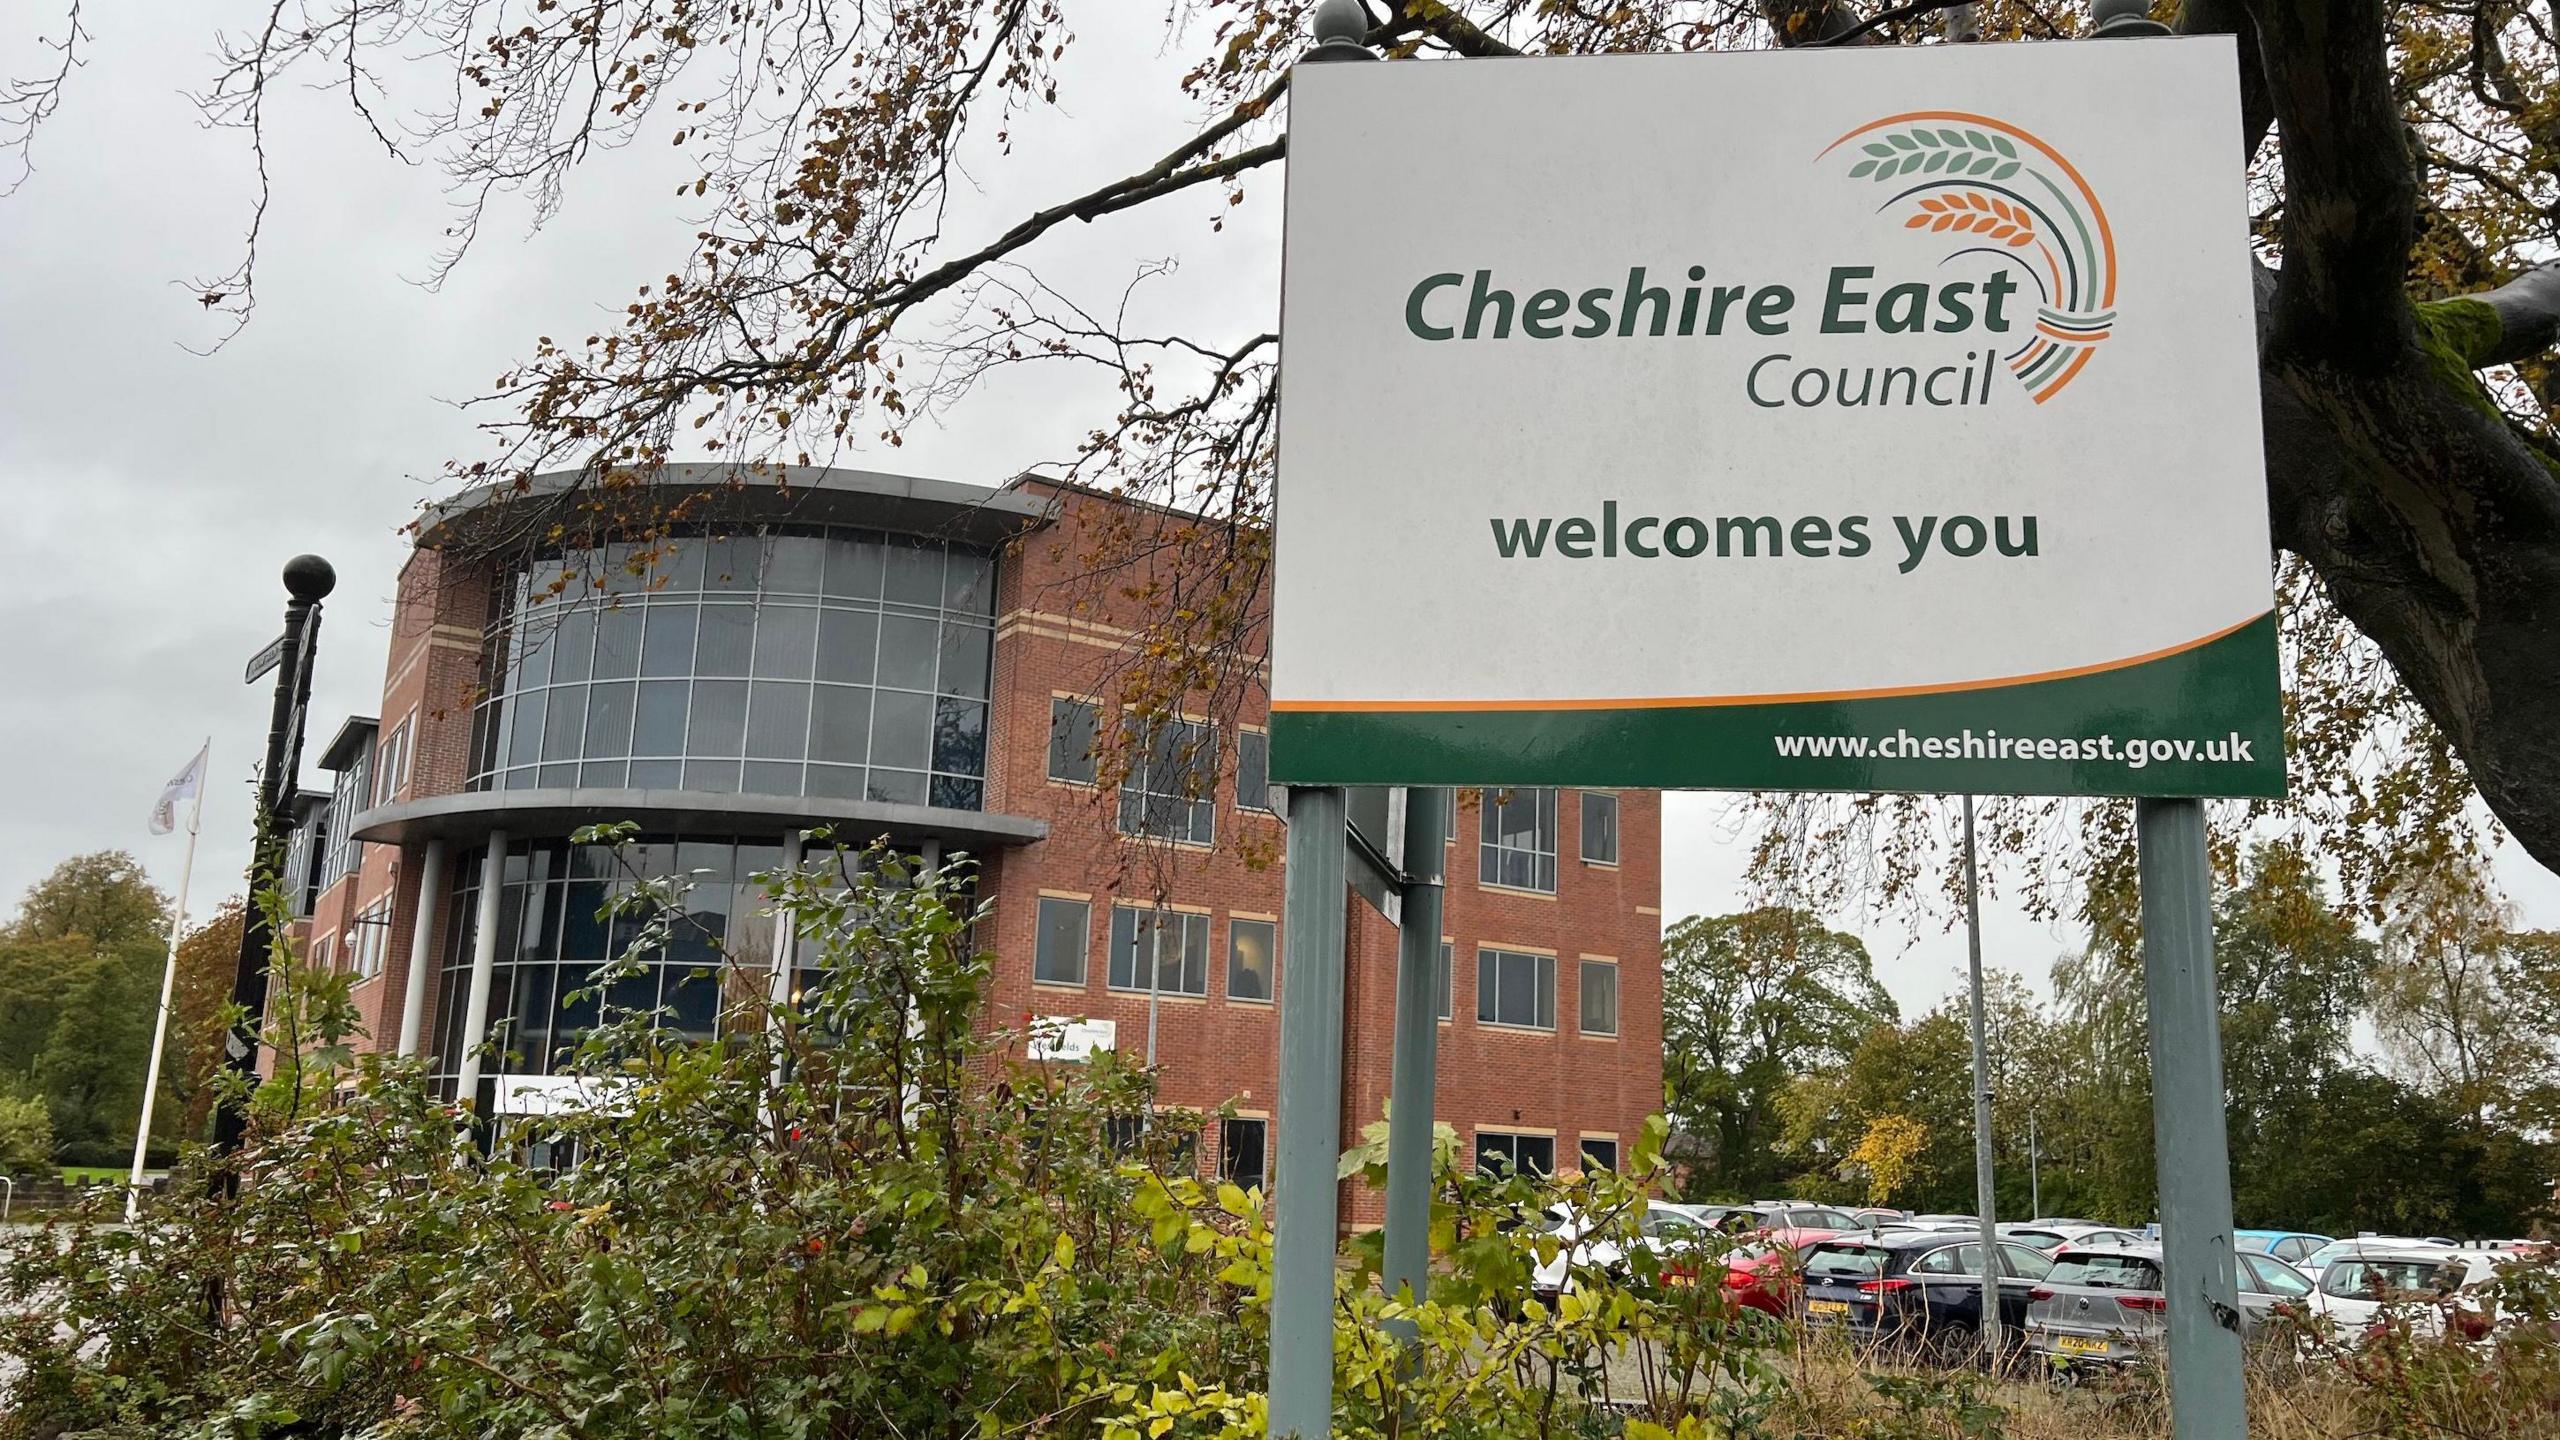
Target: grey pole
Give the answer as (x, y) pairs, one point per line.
(1417, 1051)
(422, 946)
(1304, 1235)
(2035, 1185)
(2207, 1400)
(1984, 1201)
(484, 962)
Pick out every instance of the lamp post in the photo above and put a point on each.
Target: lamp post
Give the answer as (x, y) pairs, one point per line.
(308, 579)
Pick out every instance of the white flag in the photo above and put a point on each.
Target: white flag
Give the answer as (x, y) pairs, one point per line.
(164, 816)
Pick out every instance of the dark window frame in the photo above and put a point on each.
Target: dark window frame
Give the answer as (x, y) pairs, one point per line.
(1065, 708)
(1608, 802)
(1271, 956)
(1492, 988)
(1582, 969)
(1509, 1151)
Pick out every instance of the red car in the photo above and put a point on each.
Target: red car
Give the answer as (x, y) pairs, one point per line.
(1763, 1276)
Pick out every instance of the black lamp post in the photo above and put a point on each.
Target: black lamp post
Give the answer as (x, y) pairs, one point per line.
(308, 579)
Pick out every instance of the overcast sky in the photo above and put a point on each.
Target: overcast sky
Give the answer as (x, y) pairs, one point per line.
(153, 494)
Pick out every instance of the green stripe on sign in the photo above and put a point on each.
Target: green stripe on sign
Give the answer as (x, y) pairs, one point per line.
(2212, 714)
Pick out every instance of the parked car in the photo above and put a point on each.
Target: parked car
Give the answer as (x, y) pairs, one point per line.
(1665, 1229)
(1914, 1286)
(1762, 1215)
(2434, 1285)
(2051, 1235)
(1946, 1222)
(2102, 1304)
(1766, 1274)
(2318, 1261)
(1880, 1216)
(2290, 1246)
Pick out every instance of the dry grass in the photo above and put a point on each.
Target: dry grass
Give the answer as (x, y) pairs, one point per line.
(1835, 1396)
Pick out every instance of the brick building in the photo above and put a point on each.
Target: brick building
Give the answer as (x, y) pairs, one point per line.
(930, 662)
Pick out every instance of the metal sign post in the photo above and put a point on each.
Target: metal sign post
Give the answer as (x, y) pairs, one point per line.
(2193, 1153)
(1417, 1051)
(1985, 1202)
(1305, 1195)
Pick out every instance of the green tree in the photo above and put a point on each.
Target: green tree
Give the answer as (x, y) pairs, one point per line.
(1749, 1002)
(79, 983)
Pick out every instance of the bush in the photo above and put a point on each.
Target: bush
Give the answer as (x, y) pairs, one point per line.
(26, 1136)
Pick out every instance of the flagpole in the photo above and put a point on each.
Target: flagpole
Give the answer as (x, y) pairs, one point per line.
(168, 990)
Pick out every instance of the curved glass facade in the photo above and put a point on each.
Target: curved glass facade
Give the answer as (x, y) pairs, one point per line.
(816, 662)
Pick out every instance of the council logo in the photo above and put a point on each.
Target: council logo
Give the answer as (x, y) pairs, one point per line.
(1993, 189)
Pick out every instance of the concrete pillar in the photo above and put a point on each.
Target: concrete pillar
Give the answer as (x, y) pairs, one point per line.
(422, 945)
(484, 963)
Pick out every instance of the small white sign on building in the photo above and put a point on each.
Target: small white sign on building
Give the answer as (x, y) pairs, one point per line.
(1066, 1037)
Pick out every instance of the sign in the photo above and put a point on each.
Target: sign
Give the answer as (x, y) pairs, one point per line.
(265, 661)
(1062, 1037)
(1882, 419)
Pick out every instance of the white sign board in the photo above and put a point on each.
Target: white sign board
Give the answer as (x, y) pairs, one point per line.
(1876, 419)
(1062, 1037)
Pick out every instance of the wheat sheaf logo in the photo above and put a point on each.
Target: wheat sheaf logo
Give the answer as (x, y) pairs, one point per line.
(1994, 189)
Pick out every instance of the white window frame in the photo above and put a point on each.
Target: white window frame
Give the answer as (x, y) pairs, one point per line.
(1616, 839)
(1492, 849)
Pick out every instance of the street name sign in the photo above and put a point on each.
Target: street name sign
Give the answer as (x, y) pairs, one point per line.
(1856, 420)
(269, 656)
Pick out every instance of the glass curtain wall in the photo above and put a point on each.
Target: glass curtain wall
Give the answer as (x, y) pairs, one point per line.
(815, 662)
(551, 941)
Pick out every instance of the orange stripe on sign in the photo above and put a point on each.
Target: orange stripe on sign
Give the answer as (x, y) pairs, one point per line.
(1702, 702)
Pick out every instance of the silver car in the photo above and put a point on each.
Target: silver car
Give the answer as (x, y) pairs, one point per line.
(2103, 1304)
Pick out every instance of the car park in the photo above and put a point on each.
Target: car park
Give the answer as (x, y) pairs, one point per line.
(1917, 1287)
(2432, 1285)
(2051, 1235)
(2103, 1304)
(2290, 1246)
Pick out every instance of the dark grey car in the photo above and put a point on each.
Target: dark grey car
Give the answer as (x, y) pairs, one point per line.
(2103, 1305)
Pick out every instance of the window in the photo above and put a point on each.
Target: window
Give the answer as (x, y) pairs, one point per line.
(827, 663)
(320, 948)
(1954, 1260)
(1171, 790)
(1072, 726)
(1531, 1155)
(1058, 951)
(341, 853)
(367, 940)
(1514, 988)
(1599, 996)
(2269, 1277)
(1122, 1132)
(391, 765)
(1599, 1154)
(1517, 846)
(1445, 968)
(2023, 1263)
(1165, 947)
(1253, 770)
(1242, 1145)
(1252, 959)
(2292, 1248)
(1599, 828)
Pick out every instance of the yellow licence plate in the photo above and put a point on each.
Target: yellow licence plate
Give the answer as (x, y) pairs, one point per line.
(1826, 1307)
(2079, 1345)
